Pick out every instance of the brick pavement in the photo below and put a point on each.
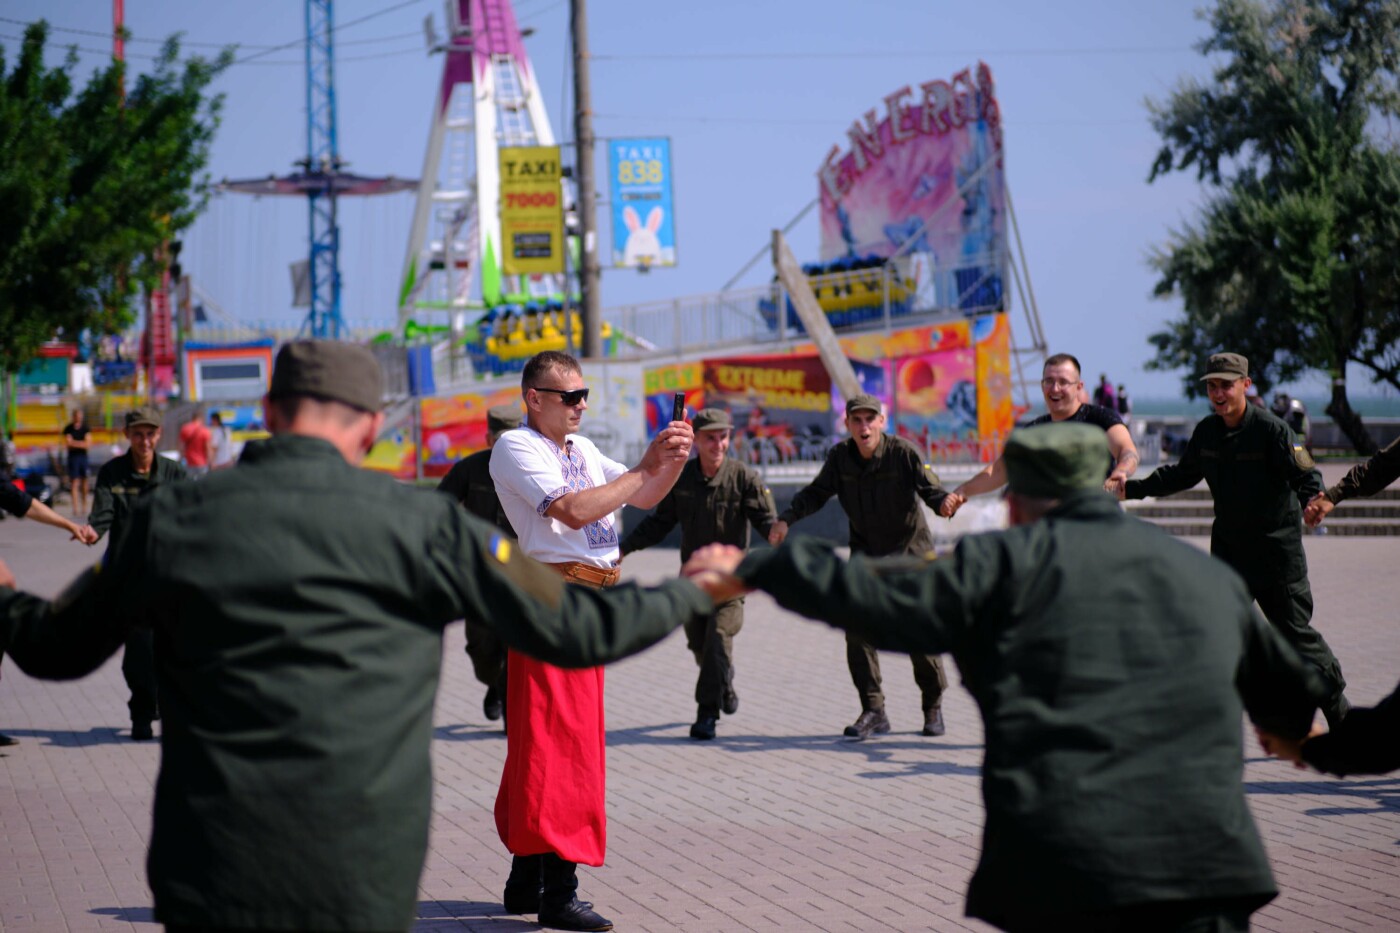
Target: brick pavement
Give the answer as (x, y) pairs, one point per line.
(777, 825)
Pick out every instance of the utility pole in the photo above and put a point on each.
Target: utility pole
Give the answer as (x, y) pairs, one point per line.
(589, 272)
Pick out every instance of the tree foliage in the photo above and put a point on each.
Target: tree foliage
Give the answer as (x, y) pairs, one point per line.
(1291, 260)
(91, 185)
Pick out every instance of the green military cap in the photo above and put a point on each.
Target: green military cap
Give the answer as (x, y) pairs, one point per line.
(1048, 461)
(1228, 366)
(148, 417)
(329, 370)
(713, 419)
(863, 402)
(502, 418)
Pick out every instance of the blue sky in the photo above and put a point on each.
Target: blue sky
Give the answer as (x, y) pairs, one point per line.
(752, 94)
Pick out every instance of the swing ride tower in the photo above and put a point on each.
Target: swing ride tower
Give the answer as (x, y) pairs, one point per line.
(322, 179)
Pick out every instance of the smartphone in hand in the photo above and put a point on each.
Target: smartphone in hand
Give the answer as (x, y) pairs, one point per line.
(678, 408)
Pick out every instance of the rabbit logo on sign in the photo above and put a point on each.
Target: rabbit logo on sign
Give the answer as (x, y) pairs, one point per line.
(642, 247)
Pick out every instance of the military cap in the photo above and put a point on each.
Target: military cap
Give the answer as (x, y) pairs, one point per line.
(713, 419)
(502, 418)
(329, 370)
(863, 402)
(143, 416)
(1048, 461)
(1228, 366)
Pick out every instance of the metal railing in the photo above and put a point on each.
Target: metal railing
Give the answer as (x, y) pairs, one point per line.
(857, 299)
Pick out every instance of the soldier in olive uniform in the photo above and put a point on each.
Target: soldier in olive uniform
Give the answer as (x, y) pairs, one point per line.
(120, 483)
(298, 603)
(1260, 476)
(715, 500)
(878, 480)
(469, 482)
(1364, 479)
(1110, 663)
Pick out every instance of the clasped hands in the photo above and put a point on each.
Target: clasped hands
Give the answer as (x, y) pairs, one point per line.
(712, 569)
(1317, 509)
(1286, 749)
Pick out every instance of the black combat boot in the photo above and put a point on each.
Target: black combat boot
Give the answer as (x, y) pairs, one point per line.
(871, 722)
(560, 908)
(525, 885)
(705, 721)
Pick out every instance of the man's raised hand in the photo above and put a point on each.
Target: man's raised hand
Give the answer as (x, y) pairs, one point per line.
(670, 448)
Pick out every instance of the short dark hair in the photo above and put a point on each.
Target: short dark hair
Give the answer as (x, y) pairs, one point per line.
(1059, 358)
(541, 364)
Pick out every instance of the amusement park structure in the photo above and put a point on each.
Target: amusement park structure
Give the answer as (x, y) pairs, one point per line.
(322, 179)
(487, 98)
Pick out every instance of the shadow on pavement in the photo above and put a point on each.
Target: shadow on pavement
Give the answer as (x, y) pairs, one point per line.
(67, 738)
(470, 915)
(1383, 794)
(469, 732)
(128, 914)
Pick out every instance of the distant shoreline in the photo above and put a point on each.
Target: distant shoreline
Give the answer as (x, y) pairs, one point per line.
(1366, 406)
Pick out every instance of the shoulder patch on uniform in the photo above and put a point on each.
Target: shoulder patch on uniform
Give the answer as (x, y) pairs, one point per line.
(1302, 457)
(499, 546)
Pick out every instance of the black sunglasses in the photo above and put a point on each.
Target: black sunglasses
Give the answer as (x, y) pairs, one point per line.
(569, 397)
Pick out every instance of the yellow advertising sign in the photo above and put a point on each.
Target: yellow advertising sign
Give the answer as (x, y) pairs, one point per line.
(532, 210)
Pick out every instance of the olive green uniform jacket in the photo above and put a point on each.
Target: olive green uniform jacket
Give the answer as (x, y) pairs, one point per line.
(1260, 477)
(877, 495)
(298, 605)
(118, 486)
(714, 510)
(1369, 478)
(1110, 663)
(469, 482)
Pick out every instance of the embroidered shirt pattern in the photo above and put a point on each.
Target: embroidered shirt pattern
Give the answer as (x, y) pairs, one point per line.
(601, 534)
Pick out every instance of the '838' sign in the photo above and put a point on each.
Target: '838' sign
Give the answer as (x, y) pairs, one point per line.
(643, 222)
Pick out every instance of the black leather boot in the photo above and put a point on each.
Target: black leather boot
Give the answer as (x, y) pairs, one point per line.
(525, 885)
(560, 908)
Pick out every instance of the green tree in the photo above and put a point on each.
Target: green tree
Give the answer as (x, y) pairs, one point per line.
(1291, 260)
(91, 185)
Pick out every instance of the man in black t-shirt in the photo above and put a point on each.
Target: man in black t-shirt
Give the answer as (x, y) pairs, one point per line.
(75, 435)
(1062, 386)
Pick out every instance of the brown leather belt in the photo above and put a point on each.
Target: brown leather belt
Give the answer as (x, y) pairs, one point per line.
(574, 571)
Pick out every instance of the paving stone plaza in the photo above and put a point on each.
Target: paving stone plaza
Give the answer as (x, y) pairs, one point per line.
(777, 825)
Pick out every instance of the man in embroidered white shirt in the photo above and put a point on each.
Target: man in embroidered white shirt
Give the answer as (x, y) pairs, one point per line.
(560, 494)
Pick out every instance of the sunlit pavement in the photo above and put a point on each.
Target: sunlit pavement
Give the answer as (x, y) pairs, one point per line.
(779, 824)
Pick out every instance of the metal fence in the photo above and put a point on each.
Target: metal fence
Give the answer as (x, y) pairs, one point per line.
(855, 299)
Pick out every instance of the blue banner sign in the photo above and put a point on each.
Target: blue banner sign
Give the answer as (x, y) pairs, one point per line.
(643, 220)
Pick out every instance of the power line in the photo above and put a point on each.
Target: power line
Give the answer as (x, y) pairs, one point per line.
(339, 59)
(107, 35)
(286, 62)
(541, 11)
(763, 121)
(922, 53)
(261, 49)
(103, 52)
(354, 22)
